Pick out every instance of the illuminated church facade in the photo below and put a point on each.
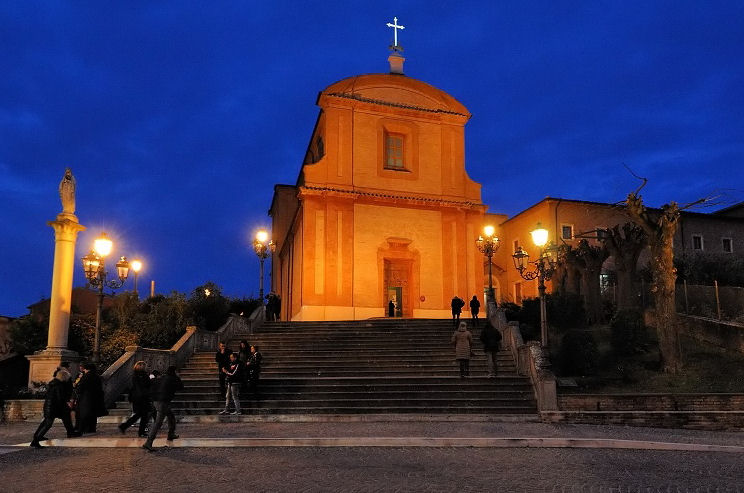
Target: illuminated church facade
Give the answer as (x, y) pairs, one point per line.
(383, 208)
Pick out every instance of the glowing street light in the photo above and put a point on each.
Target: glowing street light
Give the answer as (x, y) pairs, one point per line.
(487, 245)
(263, 248)
(94, 266)
(136, 266)
(543, 271)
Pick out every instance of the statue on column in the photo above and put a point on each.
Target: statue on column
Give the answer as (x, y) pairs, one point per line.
(67, 192)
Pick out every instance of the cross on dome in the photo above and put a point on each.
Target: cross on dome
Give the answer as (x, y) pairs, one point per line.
(395, 27)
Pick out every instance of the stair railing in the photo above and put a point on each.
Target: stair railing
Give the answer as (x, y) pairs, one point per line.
(530, 358)
(118, 377)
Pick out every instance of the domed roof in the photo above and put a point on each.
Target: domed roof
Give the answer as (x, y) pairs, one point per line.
(396, 90)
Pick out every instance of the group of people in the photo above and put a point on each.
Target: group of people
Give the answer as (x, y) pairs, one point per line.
(463, 338)
(82, 398)
(150, 395)
(457, 305)
(237, 370)
(273, 307)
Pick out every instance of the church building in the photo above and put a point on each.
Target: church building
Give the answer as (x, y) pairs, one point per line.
(383, 209)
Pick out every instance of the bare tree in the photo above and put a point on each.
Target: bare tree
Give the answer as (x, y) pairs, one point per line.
(660, 228)
(591, 259)
(625, 244)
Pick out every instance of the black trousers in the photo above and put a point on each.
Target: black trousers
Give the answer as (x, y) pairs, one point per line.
(47, 423)
(464, 367)
(140, 412)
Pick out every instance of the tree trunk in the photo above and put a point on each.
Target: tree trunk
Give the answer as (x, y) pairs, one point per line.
(663, 289)
(592, 259)
(660, 230)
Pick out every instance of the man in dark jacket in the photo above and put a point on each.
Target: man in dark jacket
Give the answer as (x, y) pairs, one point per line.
(222, 358)
(491, 339)
(456, 304)
(163, 391)
(234, 380)
(253, 365)
(55, 406)
(474, 310)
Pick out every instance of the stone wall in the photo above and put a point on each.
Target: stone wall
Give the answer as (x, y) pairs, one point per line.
(651, 402)
(693, 411)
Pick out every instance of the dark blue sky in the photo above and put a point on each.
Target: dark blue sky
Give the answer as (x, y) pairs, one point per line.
(178, 118)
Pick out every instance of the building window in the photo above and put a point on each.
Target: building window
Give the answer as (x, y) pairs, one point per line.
(518, 293)
(602, 233)
(697, 242)
(727, 245)
(516, 246)
(567, 231)
(394, 151)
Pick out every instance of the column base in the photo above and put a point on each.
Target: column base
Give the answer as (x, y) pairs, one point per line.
(44, 363)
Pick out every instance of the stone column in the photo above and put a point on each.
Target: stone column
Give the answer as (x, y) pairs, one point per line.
(66, 228)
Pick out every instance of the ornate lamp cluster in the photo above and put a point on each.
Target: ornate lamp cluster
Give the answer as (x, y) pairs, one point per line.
(487, 245)
(263, 248)
(94, 266)
(542, 270)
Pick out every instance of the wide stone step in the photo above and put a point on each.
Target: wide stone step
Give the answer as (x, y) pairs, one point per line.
(359, 403)
(257, 409)
(306, 394)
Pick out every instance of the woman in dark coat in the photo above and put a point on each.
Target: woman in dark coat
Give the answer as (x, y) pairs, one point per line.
(139, 396)
(89, 399)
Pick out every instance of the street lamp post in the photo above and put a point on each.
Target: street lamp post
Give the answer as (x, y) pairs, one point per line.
(136, 267)
(95, 272)
(487, 245)
(543, 270)
(263, 248)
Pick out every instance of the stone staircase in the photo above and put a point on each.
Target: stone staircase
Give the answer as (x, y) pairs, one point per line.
(381, 366)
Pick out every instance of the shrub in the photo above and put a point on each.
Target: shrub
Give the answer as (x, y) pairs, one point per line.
(578, 354)
(566, 311)
(627, 332)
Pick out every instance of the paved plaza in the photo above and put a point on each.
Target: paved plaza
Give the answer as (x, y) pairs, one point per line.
(352, 467)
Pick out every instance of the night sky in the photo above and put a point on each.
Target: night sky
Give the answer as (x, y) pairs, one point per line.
(177, 118)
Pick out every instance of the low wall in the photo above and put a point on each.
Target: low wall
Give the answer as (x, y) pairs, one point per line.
(692, 411)
(726, 335)
(651, 402)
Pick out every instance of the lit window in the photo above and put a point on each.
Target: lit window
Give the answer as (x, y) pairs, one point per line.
(567, 232)
(697, 242)
(727, 245)
(394, 151)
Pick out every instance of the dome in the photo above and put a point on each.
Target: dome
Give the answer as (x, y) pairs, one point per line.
(396, 90)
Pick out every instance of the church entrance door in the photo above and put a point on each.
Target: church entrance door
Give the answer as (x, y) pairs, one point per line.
(397, 286)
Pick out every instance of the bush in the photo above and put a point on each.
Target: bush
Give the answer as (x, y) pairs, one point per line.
(578, 353)
(566, 311)
(627, 332)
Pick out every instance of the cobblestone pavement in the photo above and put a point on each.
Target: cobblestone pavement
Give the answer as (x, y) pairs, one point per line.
(376, 469)
(365, 469)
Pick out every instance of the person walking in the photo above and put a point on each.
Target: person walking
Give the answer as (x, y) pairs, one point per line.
(222, 358)
(463, 341)
(139, 397)
(89, 399)
(234, 379)
(491, 339)
(474, 310)
(56, 405)
(163, 391)
(456, 304)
